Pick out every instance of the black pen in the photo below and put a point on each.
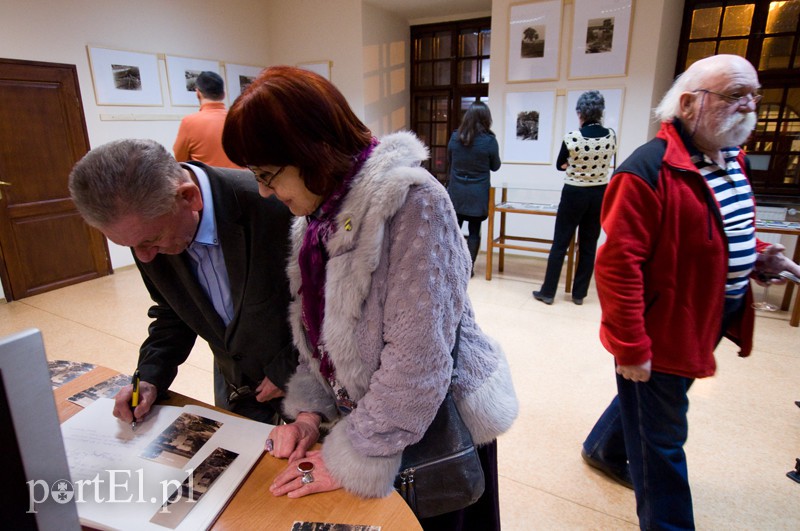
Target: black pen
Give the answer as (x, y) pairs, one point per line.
(134, 395)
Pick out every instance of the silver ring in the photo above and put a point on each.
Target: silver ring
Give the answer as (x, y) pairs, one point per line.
(269, 445)
(307, 478)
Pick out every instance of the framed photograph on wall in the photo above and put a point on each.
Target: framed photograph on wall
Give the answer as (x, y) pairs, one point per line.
(529, 127)
(237, 77)
(534, 40)
(612, 115)
(125, 78)
(322, 68)
(600, 38)
(182, 73)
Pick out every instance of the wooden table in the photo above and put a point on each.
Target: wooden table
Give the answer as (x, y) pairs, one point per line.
(253, 507)
(505, 207)
(789, 229)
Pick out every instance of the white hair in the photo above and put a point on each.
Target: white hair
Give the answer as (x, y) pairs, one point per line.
(691, 80)
(670, 106)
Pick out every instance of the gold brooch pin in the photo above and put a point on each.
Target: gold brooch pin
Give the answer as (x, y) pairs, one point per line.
(348, 225)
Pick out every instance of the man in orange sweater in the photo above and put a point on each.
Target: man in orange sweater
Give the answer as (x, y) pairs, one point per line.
(200, 134)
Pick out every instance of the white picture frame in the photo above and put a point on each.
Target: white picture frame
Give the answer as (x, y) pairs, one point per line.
(121, 77)
(529, 125)
(181, 74)
(534, 41)
(237, 77)
(612, 115)
(600, 38)
(322, 68)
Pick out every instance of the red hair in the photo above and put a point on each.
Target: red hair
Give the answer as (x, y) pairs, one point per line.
(293, 117)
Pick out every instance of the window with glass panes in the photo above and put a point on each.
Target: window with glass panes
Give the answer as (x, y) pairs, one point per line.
(450, 66)
(767, 33)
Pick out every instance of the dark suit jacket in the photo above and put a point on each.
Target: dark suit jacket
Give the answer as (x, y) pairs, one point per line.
(254, 233)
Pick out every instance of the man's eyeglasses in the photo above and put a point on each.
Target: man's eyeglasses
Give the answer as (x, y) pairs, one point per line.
(733, 99)
(266, 178)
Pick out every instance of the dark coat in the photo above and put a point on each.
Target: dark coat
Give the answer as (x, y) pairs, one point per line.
(254, 233)
(469, 173)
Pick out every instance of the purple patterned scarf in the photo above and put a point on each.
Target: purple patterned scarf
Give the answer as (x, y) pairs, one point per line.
(313, 261)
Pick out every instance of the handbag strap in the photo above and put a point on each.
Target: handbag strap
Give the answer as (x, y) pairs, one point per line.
(454, 354)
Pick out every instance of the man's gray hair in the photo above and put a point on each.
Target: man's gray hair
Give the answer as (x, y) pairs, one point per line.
(125, 177)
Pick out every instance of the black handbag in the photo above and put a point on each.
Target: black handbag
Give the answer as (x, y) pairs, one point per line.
(442, 472)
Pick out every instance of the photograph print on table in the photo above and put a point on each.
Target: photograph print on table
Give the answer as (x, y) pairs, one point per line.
(181, 440)
(193, 488)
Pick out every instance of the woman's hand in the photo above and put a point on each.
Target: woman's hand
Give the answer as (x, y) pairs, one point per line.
(293, 440)
(290, 481)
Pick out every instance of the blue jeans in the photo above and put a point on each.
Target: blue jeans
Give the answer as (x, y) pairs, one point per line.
(646, 425)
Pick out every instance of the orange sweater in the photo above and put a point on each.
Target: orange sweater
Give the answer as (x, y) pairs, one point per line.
(200, 136)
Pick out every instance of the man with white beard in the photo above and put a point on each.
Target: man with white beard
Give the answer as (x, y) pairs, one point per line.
(673, 279)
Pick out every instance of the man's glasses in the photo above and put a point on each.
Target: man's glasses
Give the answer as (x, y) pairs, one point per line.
(733, 99)
(266, 178)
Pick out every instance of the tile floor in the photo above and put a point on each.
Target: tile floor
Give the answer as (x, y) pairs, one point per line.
(744, 425)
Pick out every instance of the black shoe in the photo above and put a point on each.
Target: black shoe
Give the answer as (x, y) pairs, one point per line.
(577, 301)
(621, 476)
(539, 297)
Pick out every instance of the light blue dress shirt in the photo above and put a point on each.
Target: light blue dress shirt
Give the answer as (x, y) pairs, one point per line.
(205, 252)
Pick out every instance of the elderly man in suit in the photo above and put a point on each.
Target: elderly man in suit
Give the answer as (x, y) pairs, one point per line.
(212, 253)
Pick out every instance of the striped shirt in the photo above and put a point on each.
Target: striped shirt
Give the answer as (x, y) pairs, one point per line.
(737, 207)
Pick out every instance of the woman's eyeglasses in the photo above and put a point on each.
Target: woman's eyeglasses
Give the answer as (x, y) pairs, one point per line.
(266, 178)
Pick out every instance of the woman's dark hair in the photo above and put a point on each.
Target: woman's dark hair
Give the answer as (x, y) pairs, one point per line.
(476, 120)
(590, 106)
(293, 117)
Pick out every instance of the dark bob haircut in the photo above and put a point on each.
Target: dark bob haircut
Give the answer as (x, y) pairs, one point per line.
(293, 117)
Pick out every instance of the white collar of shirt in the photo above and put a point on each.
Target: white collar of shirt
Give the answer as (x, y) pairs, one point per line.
(207, 230)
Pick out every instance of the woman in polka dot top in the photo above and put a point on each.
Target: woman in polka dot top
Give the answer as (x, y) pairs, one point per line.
(585, 156)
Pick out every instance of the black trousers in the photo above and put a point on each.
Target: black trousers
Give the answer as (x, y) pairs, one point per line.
(579, 209)
(484, 514)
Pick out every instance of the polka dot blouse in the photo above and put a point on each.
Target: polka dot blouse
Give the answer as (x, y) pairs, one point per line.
(589, 158)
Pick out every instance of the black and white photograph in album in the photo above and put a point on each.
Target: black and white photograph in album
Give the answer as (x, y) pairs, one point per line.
(181, 440)
(194, 487)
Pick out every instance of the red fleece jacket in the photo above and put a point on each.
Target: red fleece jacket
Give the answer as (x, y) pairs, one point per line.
(661, 273)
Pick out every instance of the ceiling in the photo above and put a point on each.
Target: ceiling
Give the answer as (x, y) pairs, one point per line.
(418, 9)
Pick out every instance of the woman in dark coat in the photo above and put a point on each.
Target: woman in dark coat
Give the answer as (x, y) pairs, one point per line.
(471, 154)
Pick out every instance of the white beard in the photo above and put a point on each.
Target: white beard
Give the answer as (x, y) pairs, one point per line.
(736, 129)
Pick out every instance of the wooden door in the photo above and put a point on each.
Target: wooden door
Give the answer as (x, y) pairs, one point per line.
(44, 243)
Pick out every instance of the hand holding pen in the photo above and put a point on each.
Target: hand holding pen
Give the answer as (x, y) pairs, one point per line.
(125, 403)
(134, 397)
